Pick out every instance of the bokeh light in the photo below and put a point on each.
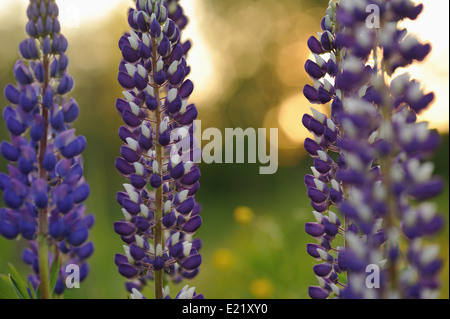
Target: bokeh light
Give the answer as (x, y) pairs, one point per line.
(243, 215)
(223, 260)
(261, 288)
(434, 71)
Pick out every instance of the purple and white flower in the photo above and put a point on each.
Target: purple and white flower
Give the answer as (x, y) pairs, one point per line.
(158, 204)
(370, 156)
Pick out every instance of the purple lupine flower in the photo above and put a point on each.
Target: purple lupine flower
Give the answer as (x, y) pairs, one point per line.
(158, 157)
(379, 172)
(45, 188)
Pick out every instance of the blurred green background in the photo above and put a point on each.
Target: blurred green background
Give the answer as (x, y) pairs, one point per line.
(247, 64)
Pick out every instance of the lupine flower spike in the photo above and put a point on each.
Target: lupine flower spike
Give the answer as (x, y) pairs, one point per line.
(45, 189)
(158, 156)
(370, 156)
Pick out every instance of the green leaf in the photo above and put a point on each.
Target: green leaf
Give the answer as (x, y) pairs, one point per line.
(18, 279)
(17, 289)
(54, 271)
(38, 292)
(5, 288)
(33, 292)
(343, 277)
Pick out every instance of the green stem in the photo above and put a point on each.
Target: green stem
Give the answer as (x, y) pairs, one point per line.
(43, 213)
(158, 231)
(389, 222)
(339, 62)
(43, 256)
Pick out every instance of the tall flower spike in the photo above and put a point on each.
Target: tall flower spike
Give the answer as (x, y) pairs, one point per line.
(379, 170)
(158, 156)
(45, 188)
